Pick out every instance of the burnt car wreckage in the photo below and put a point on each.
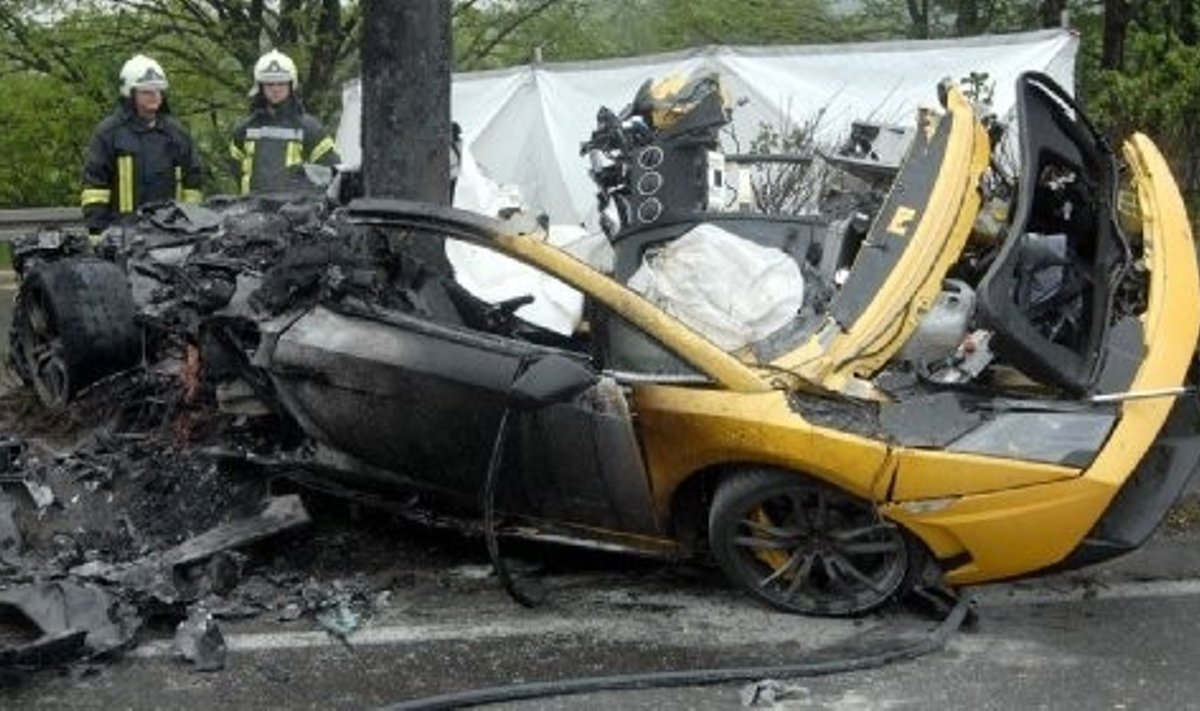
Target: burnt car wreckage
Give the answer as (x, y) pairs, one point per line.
(991, 370)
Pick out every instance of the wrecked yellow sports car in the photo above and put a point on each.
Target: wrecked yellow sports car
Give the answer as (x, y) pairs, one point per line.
(989, 370)
(1006, 400)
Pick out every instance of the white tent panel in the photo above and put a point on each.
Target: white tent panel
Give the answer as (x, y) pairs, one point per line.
(524, 125)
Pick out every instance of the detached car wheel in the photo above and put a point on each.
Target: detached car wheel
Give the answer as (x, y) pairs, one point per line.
(73, 323)
(805, 547)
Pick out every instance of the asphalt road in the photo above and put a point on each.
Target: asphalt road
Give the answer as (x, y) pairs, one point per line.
(1137, 651)
(1128, 646)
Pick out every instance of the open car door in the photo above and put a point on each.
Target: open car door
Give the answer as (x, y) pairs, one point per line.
(1048, 296)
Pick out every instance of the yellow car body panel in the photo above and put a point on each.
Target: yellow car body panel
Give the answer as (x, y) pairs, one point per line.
(943, 221)
(936, 473)
(687, 430)
(1008, 533)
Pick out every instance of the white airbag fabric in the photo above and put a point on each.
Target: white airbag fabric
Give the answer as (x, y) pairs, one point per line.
(728, 289)
(494, 277)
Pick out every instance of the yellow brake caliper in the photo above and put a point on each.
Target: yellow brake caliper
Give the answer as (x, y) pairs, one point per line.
(776, 559)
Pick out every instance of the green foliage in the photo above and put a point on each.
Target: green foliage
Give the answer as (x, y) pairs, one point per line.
(59, 59)
(977, 87)
(686, 23)
(887, 19)
(1157, 93)
(58, 81)
(506, 33)
(46, 129)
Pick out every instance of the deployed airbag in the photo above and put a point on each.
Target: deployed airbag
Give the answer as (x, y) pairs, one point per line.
(731, 290)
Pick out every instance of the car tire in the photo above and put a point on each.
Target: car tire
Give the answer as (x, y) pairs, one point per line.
(807, 547)
(73, 323)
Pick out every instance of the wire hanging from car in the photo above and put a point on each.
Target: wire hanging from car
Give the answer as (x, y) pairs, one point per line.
(489, 515)
(495, 464)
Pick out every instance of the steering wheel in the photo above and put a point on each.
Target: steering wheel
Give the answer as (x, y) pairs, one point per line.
(501, 317)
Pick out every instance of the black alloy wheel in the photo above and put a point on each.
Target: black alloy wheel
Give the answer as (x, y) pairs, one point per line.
(806, 547)
(73, 323)
(38, 350)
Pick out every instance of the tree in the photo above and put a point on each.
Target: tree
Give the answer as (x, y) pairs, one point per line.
(967, 18)
(688, 23)
(918, 13)
(406, 137)
(1052, 12)
(221, 34)
(52, 97)
(42, 147)
(500, 34)
(1117, 16)
(1187, 16)
(217, 40)
(406, 99)
(75, 47)
(496, 34)
(66, 54)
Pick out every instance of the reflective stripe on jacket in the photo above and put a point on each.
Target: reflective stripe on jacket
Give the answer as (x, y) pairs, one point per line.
(269, 143)
(131, 163)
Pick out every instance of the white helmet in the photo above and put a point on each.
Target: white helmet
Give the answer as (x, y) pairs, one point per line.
(275, 66)
(142, 72)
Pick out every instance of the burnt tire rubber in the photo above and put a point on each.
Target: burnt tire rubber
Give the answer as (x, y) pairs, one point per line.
(73, 323)
(806, 547)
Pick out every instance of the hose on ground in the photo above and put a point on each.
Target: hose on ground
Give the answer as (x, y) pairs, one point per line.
(932, 642)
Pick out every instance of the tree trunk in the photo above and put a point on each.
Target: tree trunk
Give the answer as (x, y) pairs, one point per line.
(319, 90)
(918, 13)
(1187, 21)
(966, 21)
(406, 99)
(289, 28)
(1116, 21)
(406, 55)
(1052, 12)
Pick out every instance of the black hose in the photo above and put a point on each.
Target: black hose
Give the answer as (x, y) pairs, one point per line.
(932, 642)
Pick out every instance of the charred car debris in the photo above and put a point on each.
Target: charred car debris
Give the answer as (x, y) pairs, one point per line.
(965, 367)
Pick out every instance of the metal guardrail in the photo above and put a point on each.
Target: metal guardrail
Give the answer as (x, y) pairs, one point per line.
(15, 222)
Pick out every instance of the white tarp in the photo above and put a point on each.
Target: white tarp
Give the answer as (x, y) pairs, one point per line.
(524, 125)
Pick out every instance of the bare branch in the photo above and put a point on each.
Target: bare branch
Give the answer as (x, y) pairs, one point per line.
(476, 53)
(462, 7)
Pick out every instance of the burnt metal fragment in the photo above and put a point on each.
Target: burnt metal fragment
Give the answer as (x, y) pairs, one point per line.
(198, 639)
(74, 620)
(158, 576)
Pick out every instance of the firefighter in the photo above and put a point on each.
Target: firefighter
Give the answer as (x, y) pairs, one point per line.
(269, 145)
(138, 154)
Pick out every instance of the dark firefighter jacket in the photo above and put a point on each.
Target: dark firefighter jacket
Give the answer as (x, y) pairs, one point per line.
(268, 144)
(130, 163)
